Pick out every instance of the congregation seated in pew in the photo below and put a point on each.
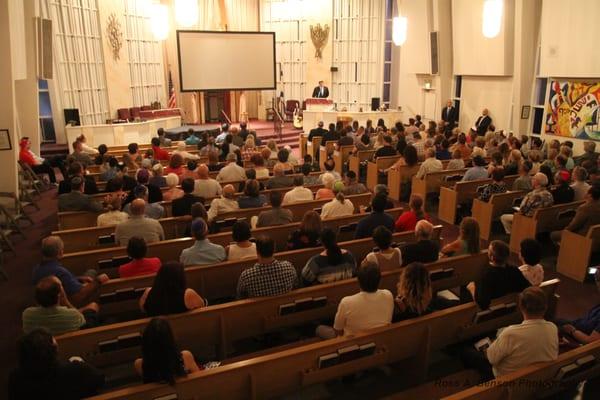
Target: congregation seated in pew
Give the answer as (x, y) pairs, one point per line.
(269, 276)
(299, 193)
(139, 264)
(252, 198)
(139, 224)
(276, 215)
(423, 250)
(113, 214)
(152, 210)
(408, 219)
(183, 205)
(485, 192)
(169, 293)
(376, 217)
(79, 290)
(205, 186)
(224, 204)
(173, 192)
(468, 241)
(308, 233)
(76, 200)
(333, 264)
(539, 197)
(339, 206)
(530, 256)
(385, 256)
(279, 179)
(161, 360)
(241, 247)
(203, 252)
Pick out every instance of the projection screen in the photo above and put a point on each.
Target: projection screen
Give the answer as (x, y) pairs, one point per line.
(211, 60)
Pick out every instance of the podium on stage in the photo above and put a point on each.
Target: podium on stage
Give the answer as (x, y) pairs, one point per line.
(318, 104)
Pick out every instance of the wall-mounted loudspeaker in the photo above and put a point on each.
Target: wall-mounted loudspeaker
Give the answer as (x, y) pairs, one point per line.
(44, 48)
(333, 69)
(72, 116)
(433, 42)
(375, 102)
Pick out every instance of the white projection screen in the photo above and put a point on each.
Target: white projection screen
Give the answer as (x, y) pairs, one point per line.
(211, 60)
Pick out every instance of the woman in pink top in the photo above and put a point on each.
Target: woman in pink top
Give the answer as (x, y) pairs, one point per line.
(327, 191)
(139, 264)
(408, 220)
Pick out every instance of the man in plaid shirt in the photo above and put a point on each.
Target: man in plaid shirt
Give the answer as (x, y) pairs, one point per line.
(268, 277)
(539, 197)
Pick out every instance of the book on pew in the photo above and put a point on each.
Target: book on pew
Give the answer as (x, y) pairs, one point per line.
(441, 273)
(349, 353)
(108, 345)
(106, 239)
(118, 261)
(286, 309)
(320, 301)
(328, 360)
(491, 313)
(103, 264)
(567, 371)
(585, 363)
(129, 340)
(367, 349)
(304, 304)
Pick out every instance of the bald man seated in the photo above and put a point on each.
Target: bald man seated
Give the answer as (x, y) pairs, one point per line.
(225, 203)
(205, 186)
(79, 290)
(138, 225)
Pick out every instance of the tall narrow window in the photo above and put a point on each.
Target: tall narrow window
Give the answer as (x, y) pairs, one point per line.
(46, 121)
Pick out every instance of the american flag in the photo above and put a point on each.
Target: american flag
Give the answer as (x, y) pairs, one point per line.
(172, 98)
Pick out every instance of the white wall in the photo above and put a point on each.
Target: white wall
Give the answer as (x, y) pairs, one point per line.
(569, 39)
(416, 48)
(493, 93)
(474, 54)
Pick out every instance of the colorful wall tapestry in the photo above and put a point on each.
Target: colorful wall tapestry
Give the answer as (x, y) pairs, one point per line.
(573, 110)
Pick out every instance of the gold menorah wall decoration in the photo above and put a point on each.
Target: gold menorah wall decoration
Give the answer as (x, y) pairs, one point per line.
(115, 35)
(319, 36)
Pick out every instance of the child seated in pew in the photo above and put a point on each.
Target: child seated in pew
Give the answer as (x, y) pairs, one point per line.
(386, 256)
(530, 256)
(468, 241)
(139, 264)
(457, 161)
(162, 361)
(169, 293)
(415, 297)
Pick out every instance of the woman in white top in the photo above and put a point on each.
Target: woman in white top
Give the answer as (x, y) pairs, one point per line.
(339, 206)
(243, 247)
(181, 150)
(259, 166)
(173, 192)
(114, 215)
(387, 257)
(85, 148)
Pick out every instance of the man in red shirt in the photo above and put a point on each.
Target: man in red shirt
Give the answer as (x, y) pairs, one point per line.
(38, 164)
(139, 264)
(159, 154)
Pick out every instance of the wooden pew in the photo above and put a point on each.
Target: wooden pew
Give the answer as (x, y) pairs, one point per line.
(545, 219)
(373, 168)
(325, 151)
(287, 371)
(462, 193)
(166, 250)
(257, 316)
(313, 146)
(539, 380)
(431, 182)
(302, 141)
(340, 156)
(82, 239)
(575, 252)
(277, 372)
(396, 177)
(487, 213)
(219, 281)
(354, 160)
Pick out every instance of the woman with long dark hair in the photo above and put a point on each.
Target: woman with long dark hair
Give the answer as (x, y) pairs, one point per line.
(408, 219)
(468, 241)
(161, 359)
(307, 234)
(169, 293)
(333, 264)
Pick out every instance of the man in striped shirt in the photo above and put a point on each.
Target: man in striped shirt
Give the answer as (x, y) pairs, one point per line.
(54, 311)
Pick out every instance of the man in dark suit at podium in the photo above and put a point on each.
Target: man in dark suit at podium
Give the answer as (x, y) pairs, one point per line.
(449, 115)
(321, 91)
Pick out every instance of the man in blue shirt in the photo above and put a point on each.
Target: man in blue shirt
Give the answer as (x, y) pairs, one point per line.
(203, 252)
(79, 290)
(478, 171)
(192, 139)
(378, 217)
